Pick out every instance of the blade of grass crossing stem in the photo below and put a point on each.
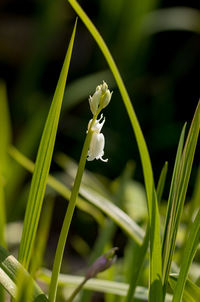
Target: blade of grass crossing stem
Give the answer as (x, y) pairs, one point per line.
(161, 182)
(191, 292)
(180, 188)
(155, 261)
(9, 268)
(42, 165)
(189, 253)
(133, 230)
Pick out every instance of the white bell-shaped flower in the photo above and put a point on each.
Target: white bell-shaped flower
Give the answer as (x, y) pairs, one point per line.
(97, 143)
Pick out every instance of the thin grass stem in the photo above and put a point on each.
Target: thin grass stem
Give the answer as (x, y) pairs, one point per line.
(69, 215)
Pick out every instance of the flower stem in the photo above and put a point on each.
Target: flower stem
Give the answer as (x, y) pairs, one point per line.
(69, 215)
(76, 291)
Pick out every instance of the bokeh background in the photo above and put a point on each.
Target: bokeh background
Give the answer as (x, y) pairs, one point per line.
(156, 45)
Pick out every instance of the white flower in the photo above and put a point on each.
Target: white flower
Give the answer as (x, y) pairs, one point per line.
(97, 143)
(101, 97)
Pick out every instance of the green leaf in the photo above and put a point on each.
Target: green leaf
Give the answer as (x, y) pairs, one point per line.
(179, 185)
(168, 220)
(42, 165)
(191, 292)
(106, 206)
(99, 285)
(56, 185)
(105, 286)
(114, 212)
(42, 235)
(186, 260)
(9, 268)
(154, 220)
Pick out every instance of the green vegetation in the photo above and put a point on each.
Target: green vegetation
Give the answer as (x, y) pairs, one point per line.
(159, 257)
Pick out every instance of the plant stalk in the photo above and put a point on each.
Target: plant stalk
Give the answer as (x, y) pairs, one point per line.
(69, 214)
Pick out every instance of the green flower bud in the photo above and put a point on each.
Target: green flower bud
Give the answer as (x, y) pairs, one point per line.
(106, 98)
(94, 101)
(101, 97)
(104, 87)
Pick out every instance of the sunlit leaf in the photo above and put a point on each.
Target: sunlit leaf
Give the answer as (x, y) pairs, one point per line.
(191, 292)
(42, 165)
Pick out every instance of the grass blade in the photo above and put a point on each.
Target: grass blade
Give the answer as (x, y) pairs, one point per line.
(154, 221)
(191, 291)
(193, 208)
(115, 213)
(42, 165)
(9, 268)
(168, 222)
(117, 288)
(42, 235)
(121, 218)
(189, 253)
(178, 191)
(105, 286)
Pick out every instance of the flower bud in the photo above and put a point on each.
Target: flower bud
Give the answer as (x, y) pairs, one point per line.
(106, 98)
(94, 101)
(104, 87)
(102, 263)
(101, 97)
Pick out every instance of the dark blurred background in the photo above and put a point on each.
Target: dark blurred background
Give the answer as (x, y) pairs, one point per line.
(156, 45)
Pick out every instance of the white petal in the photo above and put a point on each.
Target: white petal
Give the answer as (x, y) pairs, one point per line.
(99, 147)
(96, 149)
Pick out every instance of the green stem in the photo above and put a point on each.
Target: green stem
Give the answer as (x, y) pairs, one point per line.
(69, 214)
(76, 291)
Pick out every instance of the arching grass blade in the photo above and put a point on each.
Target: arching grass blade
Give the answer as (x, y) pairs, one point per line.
(154, 220)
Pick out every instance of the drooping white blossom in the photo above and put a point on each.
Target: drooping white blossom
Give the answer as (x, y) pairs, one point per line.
(97, 143)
